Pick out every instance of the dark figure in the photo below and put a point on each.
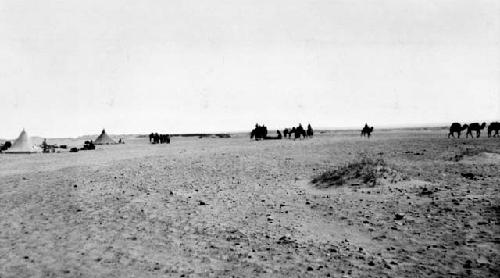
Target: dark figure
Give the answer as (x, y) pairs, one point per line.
(310, 131)
(475, 127)
(6, 146)
(458, 128)
(297, 134)
(299, 131)
(255, 132)
(293, 131)
(495, 126)
(285, 132)
(45, 146)
(366, 131)
(88, 145)
(279, 134)
(259, 132)
(156, 138)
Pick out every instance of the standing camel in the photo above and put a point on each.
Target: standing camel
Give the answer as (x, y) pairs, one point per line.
(458, 128)
(475, 127)
(366, 131)
(495, 126)
(299, 131)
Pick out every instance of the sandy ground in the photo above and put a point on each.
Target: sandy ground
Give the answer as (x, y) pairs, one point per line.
(235, 207)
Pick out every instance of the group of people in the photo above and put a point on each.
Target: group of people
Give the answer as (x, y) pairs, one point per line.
(260, 132)
(155, 138)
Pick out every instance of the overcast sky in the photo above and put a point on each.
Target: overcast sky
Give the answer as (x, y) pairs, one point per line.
(69, 68)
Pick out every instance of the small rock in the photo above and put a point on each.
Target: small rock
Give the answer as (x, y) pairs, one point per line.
(425, 191)
(399, 216)
(469, 176)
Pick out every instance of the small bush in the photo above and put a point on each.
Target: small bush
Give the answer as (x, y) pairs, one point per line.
(362, 171)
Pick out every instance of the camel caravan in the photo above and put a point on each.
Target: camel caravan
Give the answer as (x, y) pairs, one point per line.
(260, 133)
(474, 127)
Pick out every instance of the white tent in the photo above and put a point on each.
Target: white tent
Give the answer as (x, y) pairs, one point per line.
(104, 139)
(23, 145)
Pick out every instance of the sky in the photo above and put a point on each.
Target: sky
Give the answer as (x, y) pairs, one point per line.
(72, 67)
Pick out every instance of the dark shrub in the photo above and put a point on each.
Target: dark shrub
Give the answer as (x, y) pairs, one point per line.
(362, 171)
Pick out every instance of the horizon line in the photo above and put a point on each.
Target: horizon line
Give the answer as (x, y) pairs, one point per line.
(333, 128)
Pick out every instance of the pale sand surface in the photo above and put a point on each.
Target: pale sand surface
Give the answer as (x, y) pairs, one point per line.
(235, 207)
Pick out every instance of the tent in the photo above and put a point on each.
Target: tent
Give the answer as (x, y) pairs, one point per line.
(104, 139)
(23, 145)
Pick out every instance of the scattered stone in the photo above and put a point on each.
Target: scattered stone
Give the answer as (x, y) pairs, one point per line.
(286, 239)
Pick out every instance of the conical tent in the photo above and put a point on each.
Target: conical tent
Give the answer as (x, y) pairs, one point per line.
(23, 145)
(104, 139)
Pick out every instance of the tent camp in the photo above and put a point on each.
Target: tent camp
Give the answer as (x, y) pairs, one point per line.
(104, 139)
(23, 144)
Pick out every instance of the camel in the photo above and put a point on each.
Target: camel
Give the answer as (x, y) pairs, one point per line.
(475, 127)
(458, 128)
(495, 126)
(299, 131)
(366, 131)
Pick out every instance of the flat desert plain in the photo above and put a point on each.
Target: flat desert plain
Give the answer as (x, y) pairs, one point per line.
(241, 208)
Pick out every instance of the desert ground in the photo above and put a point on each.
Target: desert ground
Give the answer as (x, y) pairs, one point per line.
(241, 208)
